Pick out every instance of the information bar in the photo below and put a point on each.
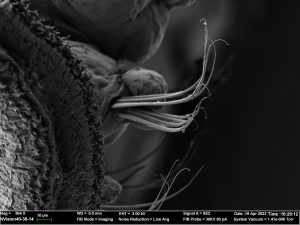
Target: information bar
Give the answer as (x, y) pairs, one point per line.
(149, 217)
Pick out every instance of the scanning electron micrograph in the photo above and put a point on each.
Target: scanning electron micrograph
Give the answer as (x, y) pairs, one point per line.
(66, 96)
(147, 105)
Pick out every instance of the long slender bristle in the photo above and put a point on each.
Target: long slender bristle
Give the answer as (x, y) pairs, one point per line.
(163, 194)
(131, 105)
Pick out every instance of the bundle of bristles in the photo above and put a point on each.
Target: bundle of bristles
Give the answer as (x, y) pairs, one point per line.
(137, 110)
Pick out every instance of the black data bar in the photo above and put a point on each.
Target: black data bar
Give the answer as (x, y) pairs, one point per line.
(149, 217)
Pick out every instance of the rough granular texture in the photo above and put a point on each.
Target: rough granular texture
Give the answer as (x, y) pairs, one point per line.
(64, 91)
(29, 170)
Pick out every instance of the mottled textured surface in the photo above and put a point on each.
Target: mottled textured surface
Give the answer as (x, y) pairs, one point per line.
(23, 154)
(64, 89)
(29, 168)
(145, 82)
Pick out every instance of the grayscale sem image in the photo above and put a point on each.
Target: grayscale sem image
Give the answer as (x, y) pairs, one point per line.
(148, 104)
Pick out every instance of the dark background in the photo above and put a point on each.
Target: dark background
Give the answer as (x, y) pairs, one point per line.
(251, 144)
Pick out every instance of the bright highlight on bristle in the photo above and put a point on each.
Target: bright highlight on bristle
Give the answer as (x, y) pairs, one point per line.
(168, 122)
